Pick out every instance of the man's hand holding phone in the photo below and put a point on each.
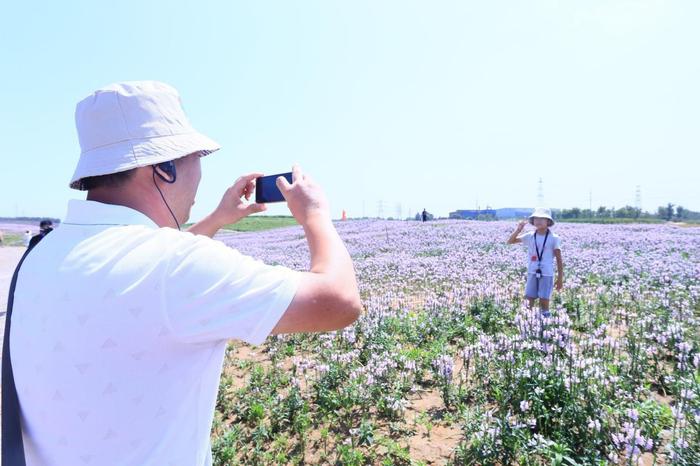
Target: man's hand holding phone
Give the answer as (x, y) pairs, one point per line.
(306, 199)
(327, 297)
(235, 203)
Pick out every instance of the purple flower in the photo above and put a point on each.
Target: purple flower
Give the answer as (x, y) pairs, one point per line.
(524, 406)
(443, 366)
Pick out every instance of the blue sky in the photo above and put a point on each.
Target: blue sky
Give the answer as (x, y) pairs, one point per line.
(440, 104)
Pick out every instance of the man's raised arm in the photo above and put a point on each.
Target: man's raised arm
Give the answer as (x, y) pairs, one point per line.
(327, 297)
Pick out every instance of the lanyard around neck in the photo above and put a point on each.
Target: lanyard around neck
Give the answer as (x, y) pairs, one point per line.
(540, 254)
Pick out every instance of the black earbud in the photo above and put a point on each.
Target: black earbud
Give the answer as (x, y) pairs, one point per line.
(169, 169)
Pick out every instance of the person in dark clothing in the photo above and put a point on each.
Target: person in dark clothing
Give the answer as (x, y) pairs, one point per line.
(424, 215)
(45, 227)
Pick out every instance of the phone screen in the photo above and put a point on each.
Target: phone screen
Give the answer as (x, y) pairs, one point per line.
(266, 190)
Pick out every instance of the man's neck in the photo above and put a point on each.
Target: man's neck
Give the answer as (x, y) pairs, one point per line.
(149, 205)
(542, 231)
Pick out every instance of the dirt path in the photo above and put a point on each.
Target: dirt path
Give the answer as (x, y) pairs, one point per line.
(9, 257)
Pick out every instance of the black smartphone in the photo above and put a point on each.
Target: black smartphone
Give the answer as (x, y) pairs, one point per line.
(266, 189)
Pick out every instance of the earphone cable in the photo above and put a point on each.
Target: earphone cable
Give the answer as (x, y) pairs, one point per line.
(164, 201)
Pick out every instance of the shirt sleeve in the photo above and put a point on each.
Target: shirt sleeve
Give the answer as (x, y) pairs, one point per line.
(526, 239)
(213, 292)
(557, 243)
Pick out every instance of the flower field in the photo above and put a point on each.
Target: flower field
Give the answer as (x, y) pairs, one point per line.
(446, 365)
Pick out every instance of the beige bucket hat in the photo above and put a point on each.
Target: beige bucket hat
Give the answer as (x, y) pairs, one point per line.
(542, 212)
(133, 124)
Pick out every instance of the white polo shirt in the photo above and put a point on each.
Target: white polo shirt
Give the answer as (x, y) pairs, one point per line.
(119, 330)
(545, 249)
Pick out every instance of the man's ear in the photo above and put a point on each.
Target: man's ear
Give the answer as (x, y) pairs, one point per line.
(166, 171)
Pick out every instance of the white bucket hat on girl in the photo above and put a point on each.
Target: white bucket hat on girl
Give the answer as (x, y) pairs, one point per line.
(133, 124)
(542, 212)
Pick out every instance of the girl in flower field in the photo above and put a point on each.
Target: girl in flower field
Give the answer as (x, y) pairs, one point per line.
(543, 246)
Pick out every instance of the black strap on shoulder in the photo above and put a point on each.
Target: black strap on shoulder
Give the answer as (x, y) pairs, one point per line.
(12, 444)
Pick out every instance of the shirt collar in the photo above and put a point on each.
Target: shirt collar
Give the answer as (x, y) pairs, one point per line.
(97, 213)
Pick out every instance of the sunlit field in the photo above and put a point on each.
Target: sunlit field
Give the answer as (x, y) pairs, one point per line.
(446, 365)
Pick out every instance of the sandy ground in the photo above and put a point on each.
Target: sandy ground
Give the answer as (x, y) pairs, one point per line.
(8, 261)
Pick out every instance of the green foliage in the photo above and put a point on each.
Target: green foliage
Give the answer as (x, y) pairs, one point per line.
(261, 222)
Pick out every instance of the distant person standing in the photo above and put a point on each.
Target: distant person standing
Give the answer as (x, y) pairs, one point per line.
(424, 215)
(45, 227)
(27, 237)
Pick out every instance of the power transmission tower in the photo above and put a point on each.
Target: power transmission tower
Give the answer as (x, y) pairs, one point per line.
(638, 198)
(380, 209)
(540, 193)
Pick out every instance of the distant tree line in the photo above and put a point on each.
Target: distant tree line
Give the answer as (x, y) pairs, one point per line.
(669, 212)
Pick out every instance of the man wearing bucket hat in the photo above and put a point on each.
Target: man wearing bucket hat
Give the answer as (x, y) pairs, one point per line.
(121, 321)
(543, 246)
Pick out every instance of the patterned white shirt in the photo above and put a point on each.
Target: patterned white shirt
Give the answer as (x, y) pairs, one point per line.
(118, 336)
